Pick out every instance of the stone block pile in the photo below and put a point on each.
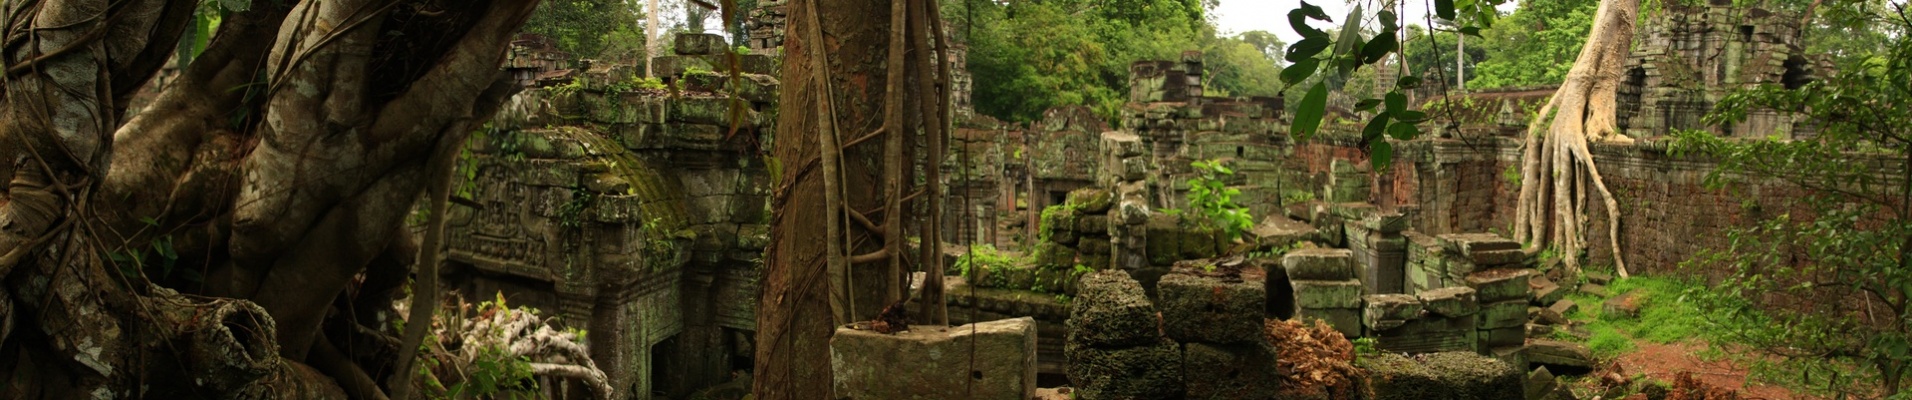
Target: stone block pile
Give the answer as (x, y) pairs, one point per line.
(766, 25)
(1115, 346)
(1326, 287)
(1077, 232)
(1218, 320)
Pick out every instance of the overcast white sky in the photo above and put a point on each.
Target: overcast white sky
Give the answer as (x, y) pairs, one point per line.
(1237, 16)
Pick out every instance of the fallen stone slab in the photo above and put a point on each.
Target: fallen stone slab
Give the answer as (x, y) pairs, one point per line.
(1626, 304)
(1243, 371)
(1209, 309)
(1545, 291)
(1540, 382)
(1500, 284)
(1446, 375)
(1470, 243)
(866, 364)
(1112, 310)
(1598, 277)
(1140, 372)
(1319, 264)
(1458, 301)
(1497, 257)
(1327, 294)
(1550, 317)
(1384, 311)
(1595, 290)
(1564, 307)
(1538, 330)
(1561, 357)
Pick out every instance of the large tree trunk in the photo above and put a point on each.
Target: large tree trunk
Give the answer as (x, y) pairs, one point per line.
(795, 317)
(277, 170)
(846, 75)
(1555, 162)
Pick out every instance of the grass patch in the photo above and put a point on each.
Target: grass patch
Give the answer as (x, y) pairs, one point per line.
(1666, 315)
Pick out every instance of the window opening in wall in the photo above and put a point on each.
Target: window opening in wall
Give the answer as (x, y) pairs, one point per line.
(1746, 33)
(1058, 197)
(1796, 74)
(1240, 151)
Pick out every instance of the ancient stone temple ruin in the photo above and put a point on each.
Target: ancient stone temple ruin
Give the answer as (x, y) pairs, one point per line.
(640, 213)
(637, 214)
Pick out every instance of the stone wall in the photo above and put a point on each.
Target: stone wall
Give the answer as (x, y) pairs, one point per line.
(637, 214)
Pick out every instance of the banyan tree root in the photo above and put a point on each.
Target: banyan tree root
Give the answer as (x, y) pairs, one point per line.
(511, 334)
(1555, 163)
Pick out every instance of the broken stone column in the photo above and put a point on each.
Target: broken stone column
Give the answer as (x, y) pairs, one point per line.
(1325, 287)
(1124, 169)
(935, 362)
(1115, 347)
(1384, 264)
(1503, 295)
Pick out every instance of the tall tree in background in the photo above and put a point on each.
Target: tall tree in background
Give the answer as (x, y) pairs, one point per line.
(1525, 49)
(587, 28)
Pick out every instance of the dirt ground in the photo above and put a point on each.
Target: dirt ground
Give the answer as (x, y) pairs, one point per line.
(1665, 361)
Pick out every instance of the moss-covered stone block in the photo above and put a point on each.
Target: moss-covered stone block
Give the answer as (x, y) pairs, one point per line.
(1500, 284)
(1091, 200)
(1110, 309)
(1244, 371)
(1503, 314)
(1446, 375)
(1209, 309)
(1152, 371)
(1092, 225)
(1328, 294)
(1429, 334)
(1450, 302)
(1384, 311)
(1319, 264)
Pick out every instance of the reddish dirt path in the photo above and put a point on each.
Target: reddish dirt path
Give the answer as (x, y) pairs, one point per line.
(1665, 361)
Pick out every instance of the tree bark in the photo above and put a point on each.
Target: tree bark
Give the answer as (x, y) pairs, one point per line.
(1555, 159)
(837, 62)
(279, 169)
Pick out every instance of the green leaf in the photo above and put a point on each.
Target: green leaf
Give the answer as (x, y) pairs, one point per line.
(1375, 128)
(1379, 47)
(1299, 71)
(1308, 116)
(1314, 11)
(1298, 20)
(1350, 33)
(1366, 104)
(1444, 9)
(1388, 20)
(1471, 31)
(1407, 82)
(1306, 48)
(1396, 101)
(1380, 154)
(1411, 115)
(1403, 130)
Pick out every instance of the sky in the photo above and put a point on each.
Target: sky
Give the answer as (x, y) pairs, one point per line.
(1237, 16)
